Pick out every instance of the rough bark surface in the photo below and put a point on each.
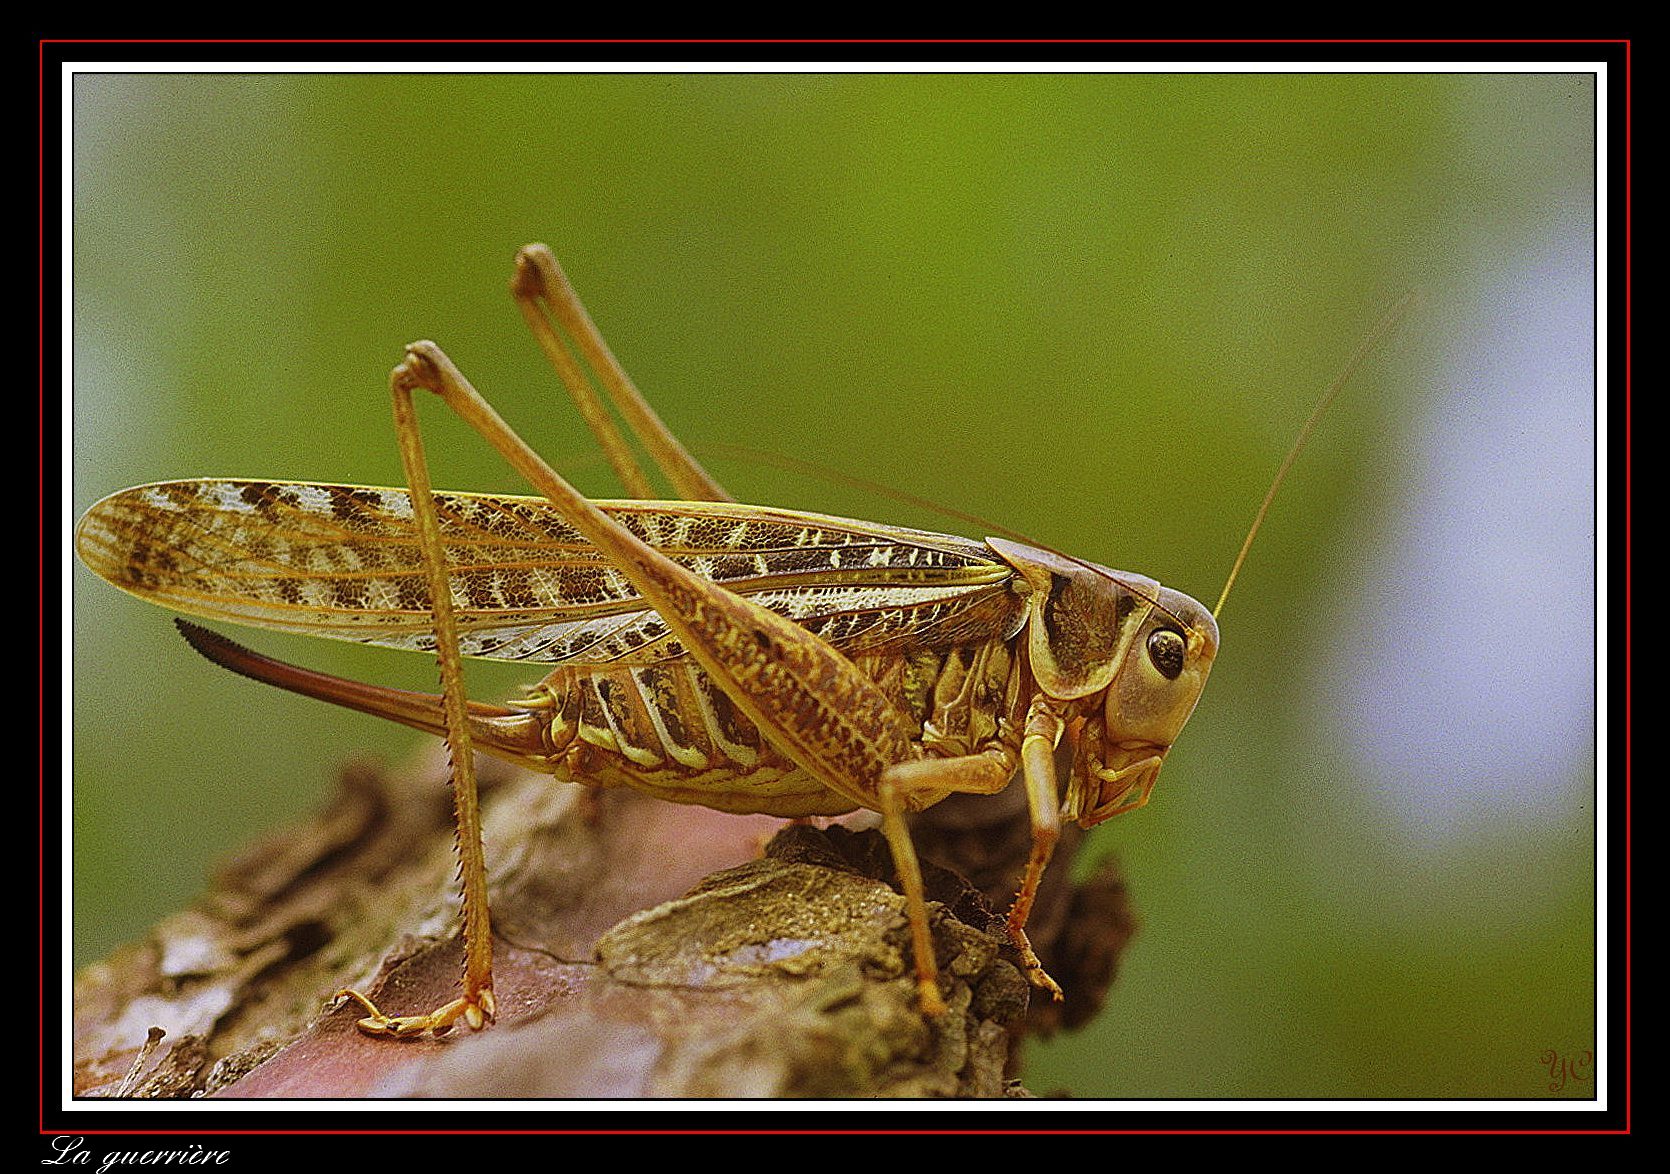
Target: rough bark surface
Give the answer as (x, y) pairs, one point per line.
(642, 949)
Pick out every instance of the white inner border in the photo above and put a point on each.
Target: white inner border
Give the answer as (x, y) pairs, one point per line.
(67, 74)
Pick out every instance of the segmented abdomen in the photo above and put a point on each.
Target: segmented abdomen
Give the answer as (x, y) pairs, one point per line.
(666, 729)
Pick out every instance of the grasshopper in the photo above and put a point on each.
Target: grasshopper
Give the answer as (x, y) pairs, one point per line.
(748, 659)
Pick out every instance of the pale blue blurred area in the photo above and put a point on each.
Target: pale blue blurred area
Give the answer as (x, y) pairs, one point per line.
(1469, 698)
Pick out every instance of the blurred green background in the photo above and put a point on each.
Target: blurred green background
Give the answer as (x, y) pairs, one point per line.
(1094, 308)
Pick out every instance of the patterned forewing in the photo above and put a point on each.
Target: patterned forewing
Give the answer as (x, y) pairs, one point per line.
(343, 562)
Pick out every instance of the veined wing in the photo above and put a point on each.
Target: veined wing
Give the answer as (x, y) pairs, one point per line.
(343, 562)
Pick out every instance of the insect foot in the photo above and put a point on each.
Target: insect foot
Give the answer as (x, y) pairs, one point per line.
(477, 1012)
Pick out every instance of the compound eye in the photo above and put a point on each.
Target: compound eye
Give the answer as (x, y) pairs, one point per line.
(1165, 649)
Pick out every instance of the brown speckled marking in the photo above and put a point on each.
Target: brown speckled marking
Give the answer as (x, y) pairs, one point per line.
(342, 562)
(679, 738)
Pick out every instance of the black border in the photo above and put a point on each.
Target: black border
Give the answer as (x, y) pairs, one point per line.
(106, 1131)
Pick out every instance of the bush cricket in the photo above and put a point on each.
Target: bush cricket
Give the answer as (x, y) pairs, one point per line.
(745, 658)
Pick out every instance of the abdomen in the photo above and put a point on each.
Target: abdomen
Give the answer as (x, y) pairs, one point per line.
(667, 730)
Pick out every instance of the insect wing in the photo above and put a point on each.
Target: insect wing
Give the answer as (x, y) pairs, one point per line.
(343, 562)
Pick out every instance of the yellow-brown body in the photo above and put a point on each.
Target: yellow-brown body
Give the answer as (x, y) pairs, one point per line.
(665, 730)
(959, 636)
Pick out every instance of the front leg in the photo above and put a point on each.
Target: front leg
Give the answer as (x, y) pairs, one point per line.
(1044, 725)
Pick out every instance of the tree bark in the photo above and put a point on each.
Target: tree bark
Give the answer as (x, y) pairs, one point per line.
(642, 949)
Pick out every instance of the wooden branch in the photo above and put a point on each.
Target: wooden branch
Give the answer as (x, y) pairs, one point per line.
(642, 949)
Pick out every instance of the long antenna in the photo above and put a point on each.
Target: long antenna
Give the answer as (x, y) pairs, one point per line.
(1393, 316)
